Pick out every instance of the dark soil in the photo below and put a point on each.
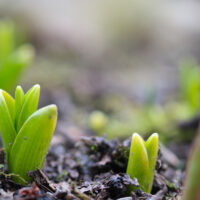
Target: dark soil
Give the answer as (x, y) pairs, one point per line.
(94, 169)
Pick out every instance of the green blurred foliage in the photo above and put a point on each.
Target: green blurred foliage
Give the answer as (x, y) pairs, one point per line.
(190, 85)
(152, 117)
(13, 58)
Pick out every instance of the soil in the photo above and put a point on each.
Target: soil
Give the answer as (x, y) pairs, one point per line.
(94, 168)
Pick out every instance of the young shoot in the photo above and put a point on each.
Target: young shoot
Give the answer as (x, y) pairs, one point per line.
(142, 159)
(25, 131)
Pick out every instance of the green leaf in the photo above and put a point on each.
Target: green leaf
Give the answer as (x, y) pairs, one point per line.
(152, 150)
(138, 163)
(30, 104)
(19, 100)
(31, 144)
(7, 110)
(10, 103)
(142, 159)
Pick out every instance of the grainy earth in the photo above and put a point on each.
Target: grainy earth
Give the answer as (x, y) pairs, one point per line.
(94, 168)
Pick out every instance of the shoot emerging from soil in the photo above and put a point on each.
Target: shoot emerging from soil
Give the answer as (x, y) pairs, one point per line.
(142, 160)
(25, 131)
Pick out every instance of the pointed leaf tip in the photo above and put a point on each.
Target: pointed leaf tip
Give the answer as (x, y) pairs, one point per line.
(155, 135)
(53, 108)
(136, 136)
(154, 138)
(36, 86)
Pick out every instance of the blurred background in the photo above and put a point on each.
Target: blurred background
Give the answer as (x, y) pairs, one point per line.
(112, 67)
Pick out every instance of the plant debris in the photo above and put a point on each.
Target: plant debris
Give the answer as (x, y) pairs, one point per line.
(42, 180)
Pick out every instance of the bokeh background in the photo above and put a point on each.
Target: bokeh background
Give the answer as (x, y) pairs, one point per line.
(112, 67)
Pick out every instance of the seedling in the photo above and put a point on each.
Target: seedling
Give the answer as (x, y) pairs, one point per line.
(13, 58)
(192, 182)
(142, 159)
(26, 132)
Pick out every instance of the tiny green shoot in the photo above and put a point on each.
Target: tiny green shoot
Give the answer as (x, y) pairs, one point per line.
(25, 131)
(142, 160)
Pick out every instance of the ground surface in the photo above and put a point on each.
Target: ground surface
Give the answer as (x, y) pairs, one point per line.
(94, 169)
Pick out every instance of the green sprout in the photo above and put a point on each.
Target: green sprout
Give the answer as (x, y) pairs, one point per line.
(192, 182)
(25, 131)
(142, 159)
(13, 58)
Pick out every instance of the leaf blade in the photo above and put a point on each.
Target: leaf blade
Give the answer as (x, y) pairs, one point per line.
(30, 105)
(138, 163)
(32, 142)
(152, 151)
(19, 100)
(8, 133)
